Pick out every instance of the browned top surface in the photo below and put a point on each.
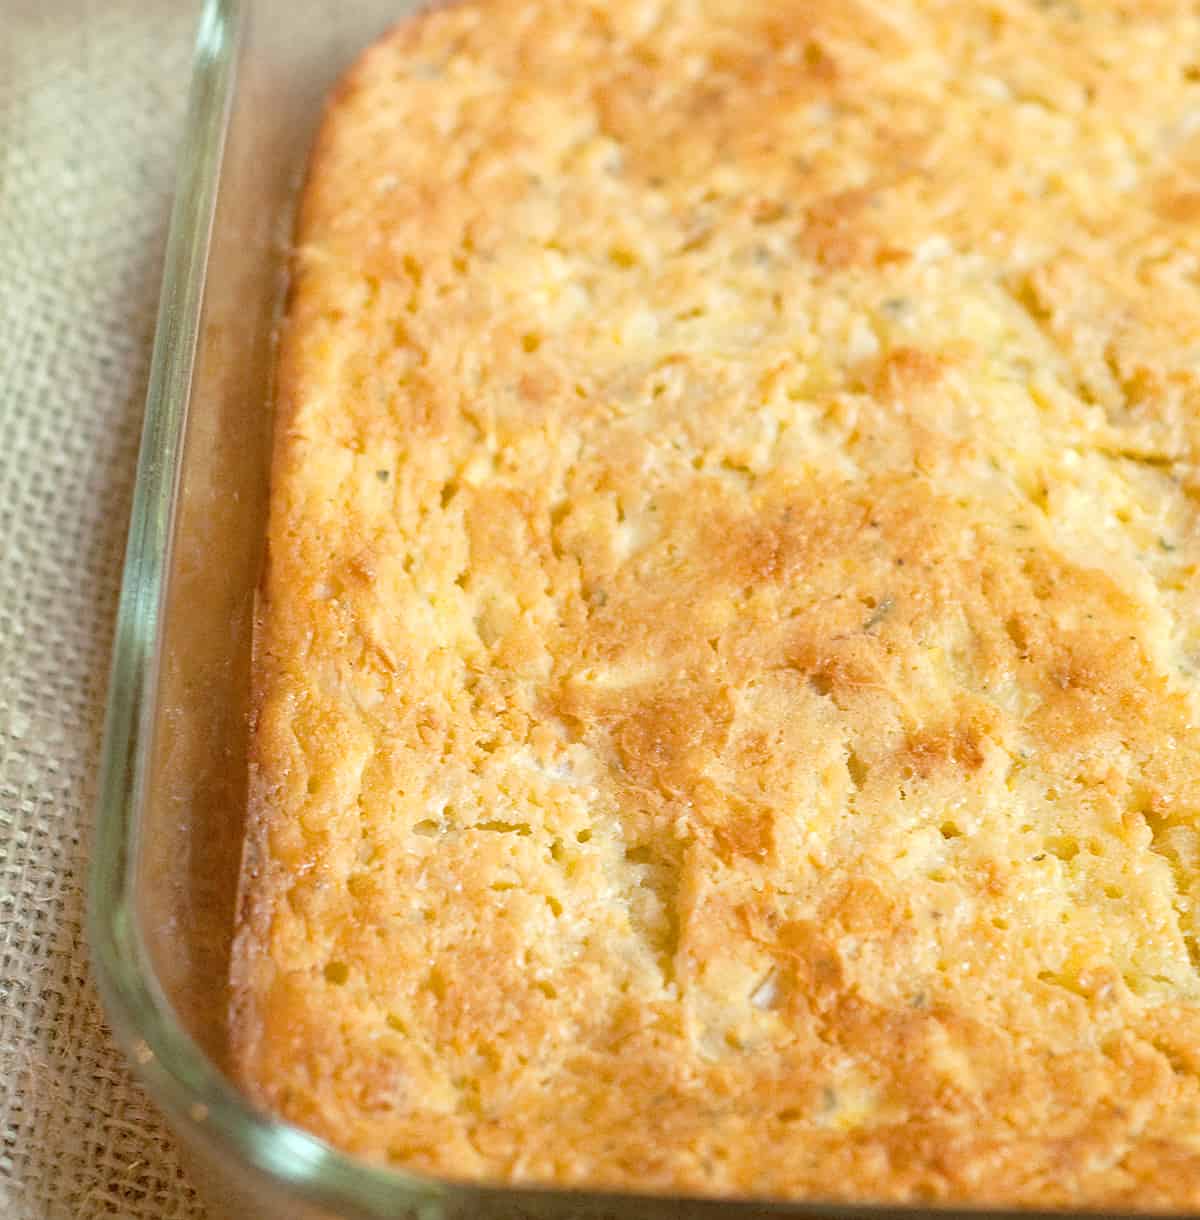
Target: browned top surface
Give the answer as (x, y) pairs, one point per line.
(728, 677)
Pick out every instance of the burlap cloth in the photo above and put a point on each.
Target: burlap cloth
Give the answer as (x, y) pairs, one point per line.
(92, 97)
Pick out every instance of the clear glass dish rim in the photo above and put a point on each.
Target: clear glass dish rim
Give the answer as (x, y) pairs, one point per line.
(181, 1079)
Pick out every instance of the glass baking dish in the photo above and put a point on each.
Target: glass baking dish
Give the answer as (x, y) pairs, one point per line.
(172, 790)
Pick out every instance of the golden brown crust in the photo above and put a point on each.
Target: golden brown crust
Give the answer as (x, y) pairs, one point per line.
(727, 684)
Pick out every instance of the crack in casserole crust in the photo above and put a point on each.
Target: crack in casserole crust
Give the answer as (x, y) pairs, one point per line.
(727, 685)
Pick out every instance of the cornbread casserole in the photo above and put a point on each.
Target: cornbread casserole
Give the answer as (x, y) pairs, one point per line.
(729, 674)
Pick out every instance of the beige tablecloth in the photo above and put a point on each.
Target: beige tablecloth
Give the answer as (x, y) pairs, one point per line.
(91, 103)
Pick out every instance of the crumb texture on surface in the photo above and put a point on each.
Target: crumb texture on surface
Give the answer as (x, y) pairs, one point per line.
(728, 683)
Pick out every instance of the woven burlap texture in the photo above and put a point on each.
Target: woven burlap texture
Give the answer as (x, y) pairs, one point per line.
(92, 96)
